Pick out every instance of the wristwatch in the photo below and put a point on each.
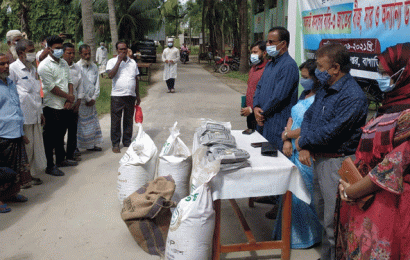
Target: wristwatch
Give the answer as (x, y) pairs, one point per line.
(286, 135)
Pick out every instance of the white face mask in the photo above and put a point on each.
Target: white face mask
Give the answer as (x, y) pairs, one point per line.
(30, 57)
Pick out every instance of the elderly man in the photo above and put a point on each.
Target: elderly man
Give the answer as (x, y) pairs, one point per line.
(58, 97)
(277, 90)
(170, 56)
(330, 132)
(24, 75)
(101, 58)
(12, 37)
(12, 151)
(89, 134)
(72, 112)
(124, 95)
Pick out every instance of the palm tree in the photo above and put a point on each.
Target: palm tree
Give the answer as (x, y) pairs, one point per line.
(88, 25)
(113, 25)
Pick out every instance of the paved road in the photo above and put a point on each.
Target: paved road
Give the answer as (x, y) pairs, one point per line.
(78, 216)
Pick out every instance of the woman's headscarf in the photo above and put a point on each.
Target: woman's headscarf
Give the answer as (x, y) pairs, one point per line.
(393, 59)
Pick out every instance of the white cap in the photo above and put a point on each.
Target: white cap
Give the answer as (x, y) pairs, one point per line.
(12, 34)
(170, 39)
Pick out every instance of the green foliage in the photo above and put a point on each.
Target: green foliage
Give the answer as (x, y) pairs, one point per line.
(238, 75)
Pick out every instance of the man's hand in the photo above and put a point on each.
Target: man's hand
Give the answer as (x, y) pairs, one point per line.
(166, 61)
(304, 157)
(171, 61)
(297, 144)
(138, 101)
(76, 106)
(258, 115)
(68, 105)
(342, 191)
(284, 137)
(90, 103)
(246, 111)
(25, 140)
(287, 148)
(70, 98)
(43, 120)
(121, 57)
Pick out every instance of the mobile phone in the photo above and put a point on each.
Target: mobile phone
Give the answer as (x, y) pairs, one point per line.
(248, 131)
(256, 145)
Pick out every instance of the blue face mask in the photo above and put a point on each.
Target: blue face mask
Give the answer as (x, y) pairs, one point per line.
(384, 82)
(255, 59)
(170, 45)
(58, 53)
(272, 51)
(322, 76)
(307, 84)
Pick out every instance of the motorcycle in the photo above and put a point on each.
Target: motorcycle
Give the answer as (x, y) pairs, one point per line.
(224, 65)
(184, 56)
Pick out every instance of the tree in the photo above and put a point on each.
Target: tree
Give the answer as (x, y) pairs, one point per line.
(243, 27)
(113, 25)
(88, 25)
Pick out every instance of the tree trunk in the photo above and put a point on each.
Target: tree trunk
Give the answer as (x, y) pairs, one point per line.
(211, 26)
(23, 13)
(243, 27)
(202, 46)
(88, 25)
(113, 25)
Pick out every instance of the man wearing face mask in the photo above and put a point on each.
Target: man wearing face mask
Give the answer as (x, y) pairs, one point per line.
(12, 37)
(101, 58)
(58, 96)
(259, 61)
(23, 74)
(170, 56)
(277, 90)
(330, 132)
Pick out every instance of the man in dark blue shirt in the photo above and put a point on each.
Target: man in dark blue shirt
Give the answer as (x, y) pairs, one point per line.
(330, 132)
(277, 90)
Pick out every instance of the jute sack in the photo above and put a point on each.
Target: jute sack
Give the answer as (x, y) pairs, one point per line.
(147, 214)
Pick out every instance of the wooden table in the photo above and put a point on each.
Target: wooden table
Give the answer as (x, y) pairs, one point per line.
(266, 176)
(145, 70)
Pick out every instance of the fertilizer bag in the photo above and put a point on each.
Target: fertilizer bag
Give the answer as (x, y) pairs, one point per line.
(175, 160)
(137, 166)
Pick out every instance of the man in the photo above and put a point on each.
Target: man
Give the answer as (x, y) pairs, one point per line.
(43, 53)
(259, 61)
(12, 37)
(184, 48)
(124, 95)
(330, 132)
(24, 75)
(89, 134)
(58, 97)
(72, 112)
(277, 90)
(101, 58)
(12, 152)
(170, 56)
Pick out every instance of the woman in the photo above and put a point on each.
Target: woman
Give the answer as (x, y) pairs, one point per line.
(383, 159)
(306, 229)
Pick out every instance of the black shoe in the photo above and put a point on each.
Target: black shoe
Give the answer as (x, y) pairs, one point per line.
(75, 158)
(95, 149)
(271, 214)
(36, 181)
(77, 152)
(54, 171)
(67, 163)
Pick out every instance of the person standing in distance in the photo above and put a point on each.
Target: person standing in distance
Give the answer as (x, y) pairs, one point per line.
(170, 56)
(124, 95)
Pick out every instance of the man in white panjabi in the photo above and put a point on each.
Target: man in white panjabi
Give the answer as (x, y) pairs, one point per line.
(101, 57)
(170, 57)
(24, 75)
(89, 134)
(12, 37)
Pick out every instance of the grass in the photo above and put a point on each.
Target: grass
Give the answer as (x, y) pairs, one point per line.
(238, 75)
(103, 103)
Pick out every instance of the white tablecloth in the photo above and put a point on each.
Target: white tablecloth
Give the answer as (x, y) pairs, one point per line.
(266, 176)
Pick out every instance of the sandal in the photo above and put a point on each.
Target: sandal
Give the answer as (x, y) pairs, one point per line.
(4, 209)
(18, 198)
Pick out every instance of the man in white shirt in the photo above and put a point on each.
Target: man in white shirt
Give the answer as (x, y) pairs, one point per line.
(12, 37)
(89, 135)
(78, 92)
(58, 97)
(43, 53)
(124, 95)
(101, 58)
(170, 56)
(24, 75)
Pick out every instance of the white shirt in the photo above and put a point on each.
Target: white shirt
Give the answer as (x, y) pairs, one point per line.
(101, 55)
(54, 74)
(91, 81)
(170, 69)
(77, 79)
(28, 89)
(38, 55)
(123, 83)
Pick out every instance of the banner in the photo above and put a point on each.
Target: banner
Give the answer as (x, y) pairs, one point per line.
(365, 27)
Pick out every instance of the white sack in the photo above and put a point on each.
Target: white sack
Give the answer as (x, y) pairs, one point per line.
(137, 166)
(175, 160)
(202, 168)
